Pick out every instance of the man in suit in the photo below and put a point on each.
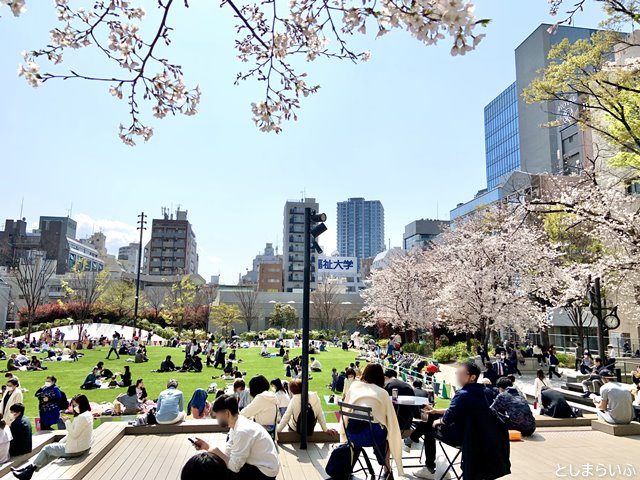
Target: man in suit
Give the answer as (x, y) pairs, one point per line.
(490, 373)
(500, 365)
(405, 412)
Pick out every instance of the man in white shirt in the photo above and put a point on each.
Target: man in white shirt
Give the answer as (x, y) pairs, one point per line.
(615, 403)
(250, 452)
(315, 366)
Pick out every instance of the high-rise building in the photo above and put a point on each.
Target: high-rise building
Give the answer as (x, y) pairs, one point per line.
(420, 232)
(501, 140)
(360, 228)
(172, 249)
(293, 240)
(128, 257)
(516, 139)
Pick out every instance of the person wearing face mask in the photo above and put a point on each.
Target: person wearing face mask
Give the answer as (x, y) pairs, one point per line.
(500, 367)
(250, 453)
(49, 397)
(75, 444)
(20, 431)
(12, 395)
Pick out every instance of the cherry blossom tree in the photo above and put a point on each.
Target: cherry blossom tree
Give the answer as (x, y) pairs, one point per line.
(274, 39)
(400, 295)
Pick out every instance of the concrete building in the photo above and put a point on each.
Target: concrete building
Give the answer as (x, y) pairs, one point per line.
(128, 257)
(515, 136)
(420, 232)
(172, 249)
(360, 228)
(268, 256)
(293, 235)
(351, 304)
(270, 277)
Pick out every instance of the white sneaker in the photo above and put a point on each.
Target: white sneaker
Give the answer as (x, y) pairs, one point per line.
(425, 474)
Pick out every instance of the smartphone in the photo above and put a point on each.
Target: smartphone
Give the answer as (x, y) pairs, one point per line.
(192, 440)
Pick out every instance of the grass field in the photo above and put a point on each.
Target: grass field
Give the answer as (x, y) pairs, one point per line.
(71, 375)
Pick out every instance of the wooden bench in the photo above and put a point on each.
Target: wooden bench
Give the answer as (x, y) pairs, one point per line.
(38, 441)
(188, 426)
(632, 428)
(105, 437)
(318, 436)
(545, 421)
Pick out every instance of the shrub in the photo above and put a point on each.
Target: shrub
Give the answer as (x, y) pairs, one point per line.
(419, 348)
(456, 352)
(566, 360)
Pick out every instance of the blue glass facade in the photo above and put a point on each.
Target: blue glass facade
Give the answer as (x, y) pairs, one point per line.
(502, 143)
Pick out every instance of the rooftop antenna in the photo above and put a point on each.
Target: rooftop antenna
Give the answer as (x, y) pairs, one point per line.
(21, 207)
(437, 211)
(389, 243)
(70, 210)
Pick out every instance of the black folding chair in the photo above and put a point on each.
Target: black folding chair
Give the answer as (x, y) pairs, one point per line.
(364, 414)
(453, 461)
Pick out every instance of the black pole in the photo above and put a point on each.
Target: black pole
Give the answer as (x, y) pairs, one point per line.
(600, 326)
(139, 267)
(306, 293)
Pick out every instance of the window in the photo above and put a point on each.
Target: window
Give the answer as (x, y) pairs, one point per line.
(633, 187)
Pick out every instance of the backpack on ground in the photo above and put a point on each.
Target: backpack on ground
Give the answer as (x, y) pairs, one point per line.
(311, 421)
(340, 462)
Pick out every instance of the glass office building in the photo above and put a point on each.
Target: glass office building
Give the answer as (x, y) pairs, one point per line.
(502, 144)
(360, 228)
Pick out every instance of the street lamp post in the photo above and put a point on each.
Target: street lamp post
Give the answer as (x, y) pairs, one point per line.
(310, 234)
(607, 322)
(141, 222)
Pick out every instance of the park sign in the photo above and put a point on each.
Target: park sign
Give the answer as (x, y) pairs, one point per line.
(337, 266)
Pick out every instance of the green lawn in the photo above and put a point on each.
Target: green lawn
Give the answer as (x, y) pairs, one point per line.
(71, 375)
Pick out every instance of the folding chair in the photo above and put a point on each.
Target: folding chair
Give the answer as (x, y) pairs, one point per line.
(452, 461)
(362, 413)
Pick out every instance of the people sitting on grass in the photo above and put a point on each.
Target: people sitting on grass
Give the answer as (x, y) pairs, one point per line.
(76, 443)
(315, 366)
(170, 405)
(141, 355)
(35, 364)
(250, 453)
(103, 372)
(513, 408)
(167, 365)
(264, 352)
(50, 402)
(615, 403)
(241, 393)
(292, 417)
(370, 392)
(91, 381)
(12, 395)
(21, 431)
(468, 424)
(129, 402)
(141, 391)
(125, 378)
(263, 408)
(198, 407)
(350, 378)
(11, 363)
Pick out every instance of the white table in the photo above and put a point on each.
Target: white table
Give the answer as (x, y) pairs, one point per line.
(411, 400)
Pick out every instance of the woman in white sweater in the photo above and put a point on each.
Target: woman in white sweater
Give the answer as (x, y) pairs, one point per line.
(540, 384)
(263, 408)
(369, 391)
(292, 413)
(75, 444)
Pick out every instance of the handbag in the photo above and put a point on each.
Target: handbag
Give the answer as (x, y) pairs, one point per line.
(340, 462)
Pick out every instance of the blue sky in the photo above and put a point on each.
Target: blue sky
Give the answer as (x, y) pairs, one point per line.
(405, 128)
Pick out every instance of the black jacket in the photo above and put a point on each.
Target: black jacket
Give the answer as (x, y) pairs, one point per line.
(405, 413)
(484, 438)
(21, 433)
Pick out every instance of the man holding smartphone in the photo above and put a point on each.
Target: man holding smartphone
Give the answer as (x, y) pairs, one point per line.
(250, 452)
